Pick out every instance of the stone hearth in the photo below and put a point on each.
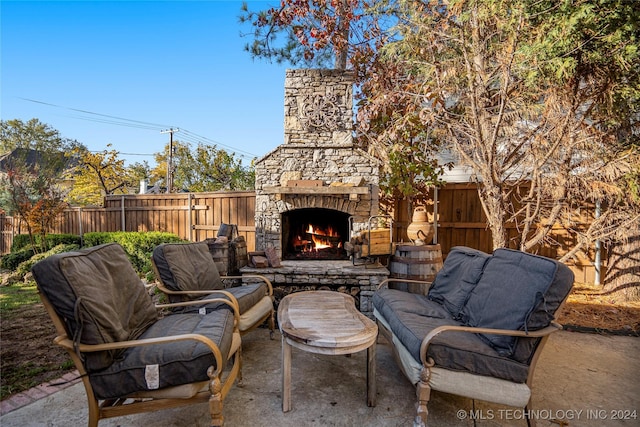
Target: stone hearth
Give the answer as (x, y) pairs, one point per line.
(360, 281)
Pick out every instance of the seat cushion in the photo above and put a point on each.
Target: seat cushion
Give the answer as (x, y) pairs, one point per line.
(512, 285)
(457, 278)
(186, 267)
(166, 365)
(458, 351)
(99, 295)
(247, 296)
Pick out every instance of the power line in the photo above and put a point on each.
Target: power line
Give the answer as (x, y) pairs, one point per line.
(121, 121)
(156, 125)
(219, 143)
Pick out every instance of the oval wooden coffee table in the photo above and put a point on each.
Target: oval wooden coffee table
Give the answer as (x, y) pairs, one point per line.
(325, 322)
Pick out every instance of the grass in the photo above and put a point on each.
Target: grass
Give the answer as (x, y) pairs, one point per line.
(16, 296)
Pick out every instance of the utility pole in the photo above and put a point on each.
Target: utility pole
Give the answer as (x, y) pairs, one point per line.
(170, 131)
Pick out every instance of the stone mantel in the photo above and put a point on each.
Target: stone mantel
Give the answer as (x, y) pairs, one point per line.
(329, 190)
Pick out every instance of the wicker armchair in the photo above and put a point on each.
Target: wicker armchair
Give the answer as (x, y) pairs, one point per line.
(130, 358)
(187, 272)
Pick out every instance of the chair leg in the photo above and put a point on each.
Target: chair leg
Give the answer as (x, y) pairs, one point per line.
(215, 402)
(423, 393)
(94, 413)
(239, 356)
(272, 324)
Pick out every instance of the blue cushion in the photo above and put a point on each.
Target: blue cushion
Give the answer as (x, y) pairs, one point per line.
(176, 363)
(512, 285)
(457, 278)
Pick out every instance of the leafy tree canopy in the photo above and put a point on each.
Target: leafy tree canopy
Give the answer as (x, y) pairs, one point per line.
(539, 97)
(99, 174)
(321, 33)
(34, 159)
(34, 145)
(204, 169)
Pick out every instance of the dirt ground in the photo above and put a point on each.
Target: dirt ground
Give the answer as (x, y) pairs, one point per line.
(27, 337)
(588, 310)
(27, 345)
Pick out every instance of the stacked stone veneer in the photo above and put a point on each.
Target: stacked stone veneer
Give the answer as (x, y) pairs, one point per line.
(318, 145)
(341, 276)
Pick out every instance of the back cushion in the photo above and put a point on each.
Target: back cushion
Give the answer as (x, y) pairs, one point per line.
(187, 267)
(512, 285)
(100, 297)
(545, 311)
(457, 278)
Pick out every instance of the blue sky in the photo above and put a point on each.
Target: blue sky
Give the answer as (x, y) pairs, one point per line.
(120, 72)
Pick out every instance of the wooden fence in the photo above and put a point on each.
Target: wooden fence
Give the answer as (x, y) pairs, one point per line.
(191, 216)
(462, 222)
(197, 216)
(7, 231)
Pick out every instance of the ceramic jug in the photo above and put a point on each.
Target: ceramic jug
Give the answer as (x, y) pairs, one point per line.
(420, 229)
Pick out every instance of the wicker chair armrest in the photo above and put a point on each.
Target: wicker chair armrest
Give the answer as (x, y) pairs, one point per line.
(65, 342)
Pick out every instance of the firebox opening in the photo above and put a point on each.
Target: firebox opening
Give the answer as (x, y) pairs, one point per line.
(314, 233)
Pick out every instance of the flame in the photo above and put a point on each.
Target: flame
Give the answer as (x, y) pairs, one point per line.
(320, 243)
(319, 236)
(322, 232)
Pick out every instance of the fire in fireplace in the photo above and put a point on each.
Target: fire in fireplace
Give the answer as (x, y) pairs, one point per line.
(314, 233)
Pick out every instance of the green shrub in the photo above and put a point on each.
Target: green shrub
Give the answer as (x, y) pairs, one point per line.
(21, 241)
(11, 260)
(21, 249)
(54, 240)
(97, 238)
(137, 245)
(25, 266)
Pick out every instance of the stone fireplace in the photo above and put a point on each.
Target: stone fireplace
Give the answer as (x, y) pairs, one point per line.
(317, 174)
(315, 190)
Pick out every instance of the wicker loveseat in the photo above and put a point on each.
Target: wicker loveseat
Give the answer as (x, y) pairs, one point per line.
(481, 327)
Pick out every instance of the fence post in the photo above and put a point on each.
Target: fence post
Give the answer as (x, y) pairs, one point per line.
(435, 215)
(189, 225)
(80, 226)
(123, 222)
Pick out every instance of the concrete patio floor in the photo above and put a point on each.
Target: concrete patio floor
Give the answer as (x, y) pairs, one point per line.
(581, 380)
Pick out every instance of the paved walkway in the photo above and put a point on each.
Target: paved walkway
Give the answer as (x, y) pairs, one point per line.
(581, 380)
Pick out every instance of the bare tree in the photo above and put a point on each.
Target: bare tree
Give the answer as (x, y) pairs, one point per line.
(531, 100)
